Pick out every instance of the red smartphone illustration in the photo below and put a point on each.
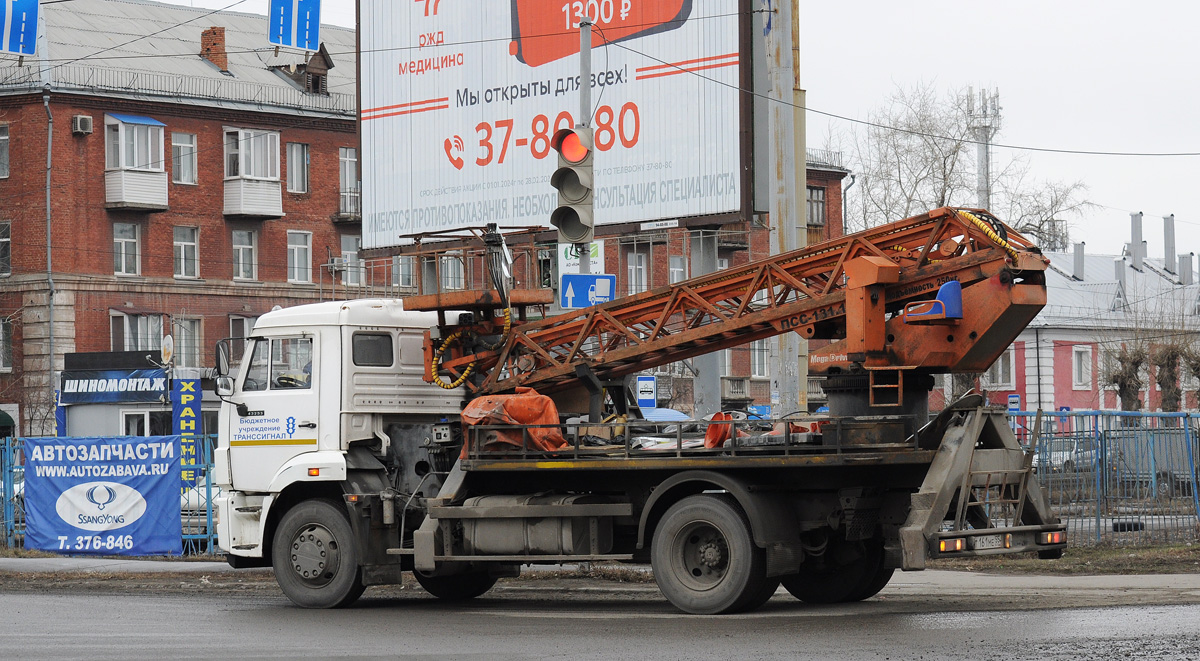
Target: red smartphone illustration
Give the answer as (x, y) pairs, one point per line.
(548, 30)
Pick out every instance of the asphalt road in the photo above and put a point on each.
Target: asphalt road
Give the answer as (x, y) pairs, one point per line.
(533, 622)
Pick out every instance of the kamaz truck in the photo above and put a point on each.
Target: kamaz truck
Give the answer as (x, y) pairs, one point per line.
(461, 435)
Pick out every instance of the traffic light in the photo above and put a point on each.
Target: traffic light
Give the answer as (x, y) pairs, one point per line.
(573, 179)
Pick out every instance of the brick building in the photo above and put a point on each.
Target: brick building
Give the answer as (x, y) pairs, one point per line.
(197, 179)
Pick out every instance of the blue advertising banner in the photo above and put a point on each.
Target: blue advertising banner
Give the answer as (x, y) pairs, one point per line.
(185, 417)
(103, 496)
(89, 387)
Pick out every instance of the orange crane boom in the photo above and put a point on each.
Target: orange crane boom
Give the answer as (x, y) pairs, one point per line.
(869, 292)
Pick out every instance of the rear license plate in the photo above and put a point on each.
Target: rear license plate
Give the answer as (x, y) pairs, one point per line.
(981, 542)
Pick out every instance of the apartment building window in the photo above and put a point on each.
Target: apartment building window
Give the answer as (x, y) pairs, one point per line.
(760, 356)
(816, 206)
(126, 255)
(636, 273)
(352, 274)
(297, 167)
(402, 272)
(134, 143)
(183, 158)
(6, 346)
(299, 256)
(187, 245)
(3, 150)
(1000, 374)
(245, 255)
(5, 248)
(188, 342)
(348, 180)
(453, 272)
(251, 154)
(136, 332)
(678, 269)
(1081, 367)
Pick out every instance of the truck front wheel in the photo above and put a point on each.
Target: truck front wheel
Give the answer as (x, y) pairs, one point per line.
(316, 563)
(457, 587)
(704, 557)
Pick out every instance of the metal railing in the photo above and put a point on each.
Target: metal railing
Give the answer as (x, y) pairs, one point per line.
(1118, 478)
(1124, 479)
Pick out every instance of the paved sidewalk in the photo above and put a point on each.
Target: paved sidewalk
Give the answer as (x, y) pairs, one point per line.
(922, 581)
(45, 565)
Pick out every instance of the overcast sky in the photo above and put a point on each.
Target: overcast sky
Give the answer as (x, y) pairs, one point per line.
(1095, 75)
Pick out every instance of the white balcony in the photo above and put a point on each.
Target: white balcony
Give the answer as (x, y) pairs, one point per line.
(135, 189)
(262, 198)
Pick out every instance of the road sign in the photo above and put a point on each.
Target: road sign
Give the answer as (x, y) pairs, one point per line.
(647, 391)
(581, 290)
(20, 26)
(1014, 403)
(295, 23)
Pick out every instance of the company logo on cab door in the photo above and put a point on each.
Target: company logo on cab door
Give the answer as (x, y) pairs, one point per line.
(100, 506)
(548, 30)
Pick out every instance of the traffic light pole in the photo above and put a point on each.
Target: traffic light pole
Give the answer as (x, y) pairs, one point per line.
(585, 116)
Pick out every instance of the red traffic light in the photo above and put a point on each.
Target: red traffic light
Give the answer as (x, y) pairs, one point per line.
(571, 145)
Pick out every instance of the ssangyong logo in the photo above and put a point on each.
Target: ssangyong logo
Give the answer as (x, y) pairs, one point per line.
(100, 506)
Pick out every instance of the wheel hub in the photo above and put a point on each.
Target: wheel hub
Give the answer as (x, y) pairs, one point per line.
(314, 555)
(702, 556)
(710, 554)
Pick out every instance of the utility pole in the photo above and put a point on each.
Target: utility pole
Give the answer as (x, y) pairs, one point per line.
(585, 116)
(985, 122)
(789, 354)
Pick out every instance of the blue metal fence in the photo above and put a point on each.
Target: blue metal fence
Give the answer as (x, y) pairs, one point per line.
(1115, 478)
(195, 502)
(1118, 478)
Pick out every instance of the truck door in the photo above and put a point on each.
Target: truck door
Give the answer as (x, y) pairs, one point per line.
(279, 418)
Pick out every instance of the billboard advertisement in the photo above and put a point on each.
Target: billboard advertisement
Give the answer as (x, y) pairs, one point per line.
(103, 495)
(460, 100)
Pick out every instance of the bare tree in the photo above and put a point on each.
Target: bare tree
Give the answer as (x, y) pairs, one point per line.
(1123, 369)
(917, 154)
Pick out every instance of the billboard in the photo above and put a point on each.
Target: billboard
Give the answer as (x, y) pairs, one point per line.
(103, 495)
(460, 100)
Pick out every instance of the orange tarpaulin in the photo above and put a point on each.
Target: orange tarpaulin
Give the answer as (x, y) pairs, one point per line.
(526, 407)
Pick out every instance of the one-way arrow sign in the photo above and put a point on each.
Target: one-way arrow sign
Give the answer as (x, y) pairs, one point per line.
(20, 26)
(295, 23)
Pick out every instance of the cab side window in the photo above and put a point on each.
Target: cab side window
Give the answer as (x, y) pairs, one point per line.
(373, 350)
(291, 363)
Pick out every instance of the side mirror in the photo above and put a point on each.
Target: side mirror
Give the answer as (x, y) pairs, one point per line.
(224, 386)
(222, 358)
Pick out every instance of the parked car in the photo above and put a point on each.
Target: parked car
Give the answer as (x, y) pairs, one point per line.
(1072, 454)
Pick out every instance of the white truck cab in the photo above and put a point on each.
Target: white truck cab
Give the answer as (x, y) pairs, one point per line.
(313, 379)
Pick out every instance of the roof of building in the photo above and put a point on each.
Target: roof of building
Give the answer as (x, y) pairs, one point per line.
(151, 51)
(1149, 298)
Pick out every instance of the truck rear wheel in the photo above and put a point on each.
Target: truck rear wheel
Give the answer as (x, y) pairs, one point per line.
(316, 563)
(456, 587)
(861, 577)
(705, 560)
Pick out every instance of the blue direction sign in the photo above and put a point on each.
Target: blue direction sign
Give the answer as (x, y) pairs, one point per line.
(581, 290)
(20, 26)
(295, 23)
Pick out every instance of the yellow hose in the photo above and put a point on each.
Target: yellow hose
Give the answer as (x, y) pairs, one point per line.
(991, 233)
(437, 358)
(437, 355)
